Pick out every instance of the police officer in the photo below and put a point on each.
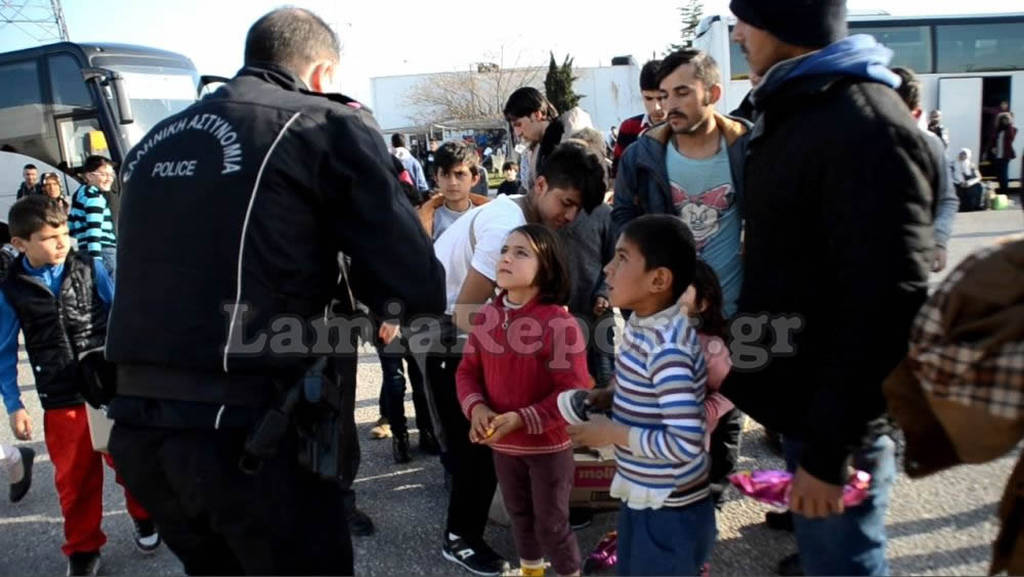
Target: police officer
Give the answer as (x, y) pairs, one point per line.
(233, 215)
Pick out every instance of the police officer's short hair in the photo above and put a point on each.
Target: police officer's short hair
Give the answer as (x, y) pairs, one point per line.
(293, 38)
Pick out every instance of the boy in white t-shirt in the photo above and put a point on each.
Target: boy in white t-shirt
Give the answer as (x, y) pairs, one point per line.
(572, 178)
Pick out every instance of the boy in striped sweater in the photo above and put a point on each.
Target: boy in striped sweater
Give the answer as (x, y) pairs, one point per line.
(667, 521)
(90, 221)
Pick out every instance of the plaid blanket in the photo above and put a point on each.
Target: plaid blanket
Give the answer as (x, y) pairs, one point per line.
(967, 342)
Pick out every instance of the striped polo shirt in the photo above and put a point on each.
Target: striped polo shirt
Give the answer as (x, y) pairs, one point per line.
(660, 393)
(90, 221)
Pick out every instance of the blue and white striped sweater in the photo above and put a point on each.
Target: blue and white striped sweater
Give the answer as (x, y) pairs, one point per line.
(90, 221)
(662, 378)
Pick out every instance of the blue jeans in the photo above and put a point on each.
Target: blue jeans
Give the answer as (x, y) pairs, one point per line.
(852, 543)
(109, 259)
(666, 541)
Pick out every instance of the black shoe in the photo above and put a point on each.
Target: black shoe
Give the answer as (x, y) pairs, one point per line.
(580, 518)
(400, 447)
(359, 523)
(779, 520)
(790, 566)
(19, 489)
(147, 540)
(87, 563)
(479, 559)
(428, 443)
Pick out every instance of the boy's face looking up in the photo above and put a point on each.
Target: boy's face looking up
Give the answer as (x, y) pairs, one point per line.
(511, 173)
(632, 286)
(456, 182)
(556, 207)
(46, 246)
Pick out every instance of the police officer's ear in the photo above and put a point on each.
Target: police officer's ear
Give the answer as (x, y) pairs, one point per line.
(322, 75)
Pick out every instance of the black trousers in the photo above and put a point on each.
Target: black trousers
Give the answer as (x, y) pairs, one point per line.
(725, 451)
(470, 465)
(218, 520)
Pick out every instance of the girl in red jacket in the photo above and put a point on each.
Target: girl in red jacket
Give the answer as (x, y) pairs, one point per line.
(526, 351)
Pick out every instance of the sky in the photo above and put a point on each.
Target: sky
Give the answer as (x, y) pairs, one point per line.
(383, 38)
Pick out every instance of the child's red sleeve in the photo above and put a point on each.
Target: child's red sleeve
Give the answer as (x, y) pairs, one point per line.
(469, 378)
(565, 353)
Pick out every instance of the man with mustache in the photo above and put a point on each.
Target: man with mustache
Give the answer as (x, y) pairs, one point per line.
(691, 166)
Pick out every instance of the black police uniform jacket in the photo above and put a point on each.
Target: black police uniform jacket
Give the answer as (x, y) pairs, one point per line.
(839, 205)
(233, 215)
(58, 328)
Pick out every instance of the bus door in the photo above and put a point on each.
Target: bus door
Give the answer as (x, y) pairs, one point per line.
(960, 100)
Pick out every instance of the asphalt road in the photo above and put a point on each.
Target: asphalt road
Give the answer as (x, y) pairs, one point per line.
(942, 525)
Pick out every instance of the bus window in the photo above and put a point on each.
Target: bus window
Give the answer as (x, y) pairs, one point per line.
(80, 138)
(911, 45)
(66, 82)
(738, 66)
(21, 110)
(980, 47)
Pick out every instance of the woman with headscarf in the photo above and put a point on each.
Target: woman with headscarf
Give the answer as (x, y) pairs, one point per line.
(967, 180)
(51, 188)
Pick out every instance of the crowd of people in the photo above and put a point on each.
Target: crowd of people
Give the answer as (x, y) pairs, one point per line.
(225, 362)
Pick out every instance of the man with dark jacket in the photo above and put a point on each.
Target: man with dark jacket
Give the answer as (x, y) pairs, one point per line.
(261, 185)
(839, 206)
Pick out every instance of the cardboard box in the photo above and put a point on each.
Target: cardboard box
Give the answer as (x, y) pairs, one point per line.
(99, 428)
(591, 482)
(592, 479)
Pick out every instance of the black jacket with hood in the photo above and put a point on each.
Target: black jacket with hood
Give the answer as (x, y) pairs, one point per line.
(840, 188)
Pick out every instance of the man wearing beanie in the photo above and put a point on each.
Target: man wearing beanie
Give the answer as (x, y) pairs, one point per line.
(839, 203)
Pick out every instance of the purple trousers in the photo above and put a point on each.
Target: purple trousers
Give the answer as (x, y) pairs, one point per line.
(536, 492)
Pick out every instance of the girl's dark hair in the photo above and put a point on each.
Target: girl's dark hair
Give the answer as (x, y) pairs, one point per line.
(709, 290)
(552, 270)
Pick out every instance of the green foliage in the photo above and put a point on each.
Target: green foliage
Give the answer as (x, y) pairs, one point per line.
(558, 85)
(690, 13)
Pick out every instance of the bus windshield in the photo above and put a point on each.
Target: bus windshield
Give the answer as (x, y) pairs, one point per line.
(155, 93)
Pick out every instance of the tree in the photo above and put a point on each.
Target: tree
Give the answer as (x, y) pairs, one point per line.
(691, 13)
(471, 95)
(558, 85)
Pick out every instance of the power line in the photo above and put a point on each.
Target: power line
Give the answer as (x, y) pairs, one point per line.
(42, 21)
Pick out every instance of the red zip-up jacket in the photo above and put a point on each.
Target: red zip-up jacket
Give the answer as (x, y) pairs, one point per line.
(520, 360)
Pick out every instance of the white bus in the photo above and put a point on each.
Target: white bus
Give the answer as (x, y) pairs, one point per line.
(968, 65)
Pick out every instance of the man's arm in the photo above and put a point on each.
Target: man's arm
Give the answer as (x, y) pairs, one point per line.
(392, 260)
(476, 290)
(624, 206)
(874, 273)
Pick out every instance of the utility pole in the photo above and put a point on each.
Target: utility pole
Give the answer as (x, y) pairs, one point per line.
(38, 21)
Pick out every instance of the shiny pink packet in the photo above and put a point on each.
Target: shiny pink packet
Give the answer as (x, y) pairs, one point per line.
(772, 487)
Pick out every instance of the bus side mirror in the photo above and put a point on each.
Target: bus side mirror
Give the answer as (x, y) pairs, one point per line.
(124, 106)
